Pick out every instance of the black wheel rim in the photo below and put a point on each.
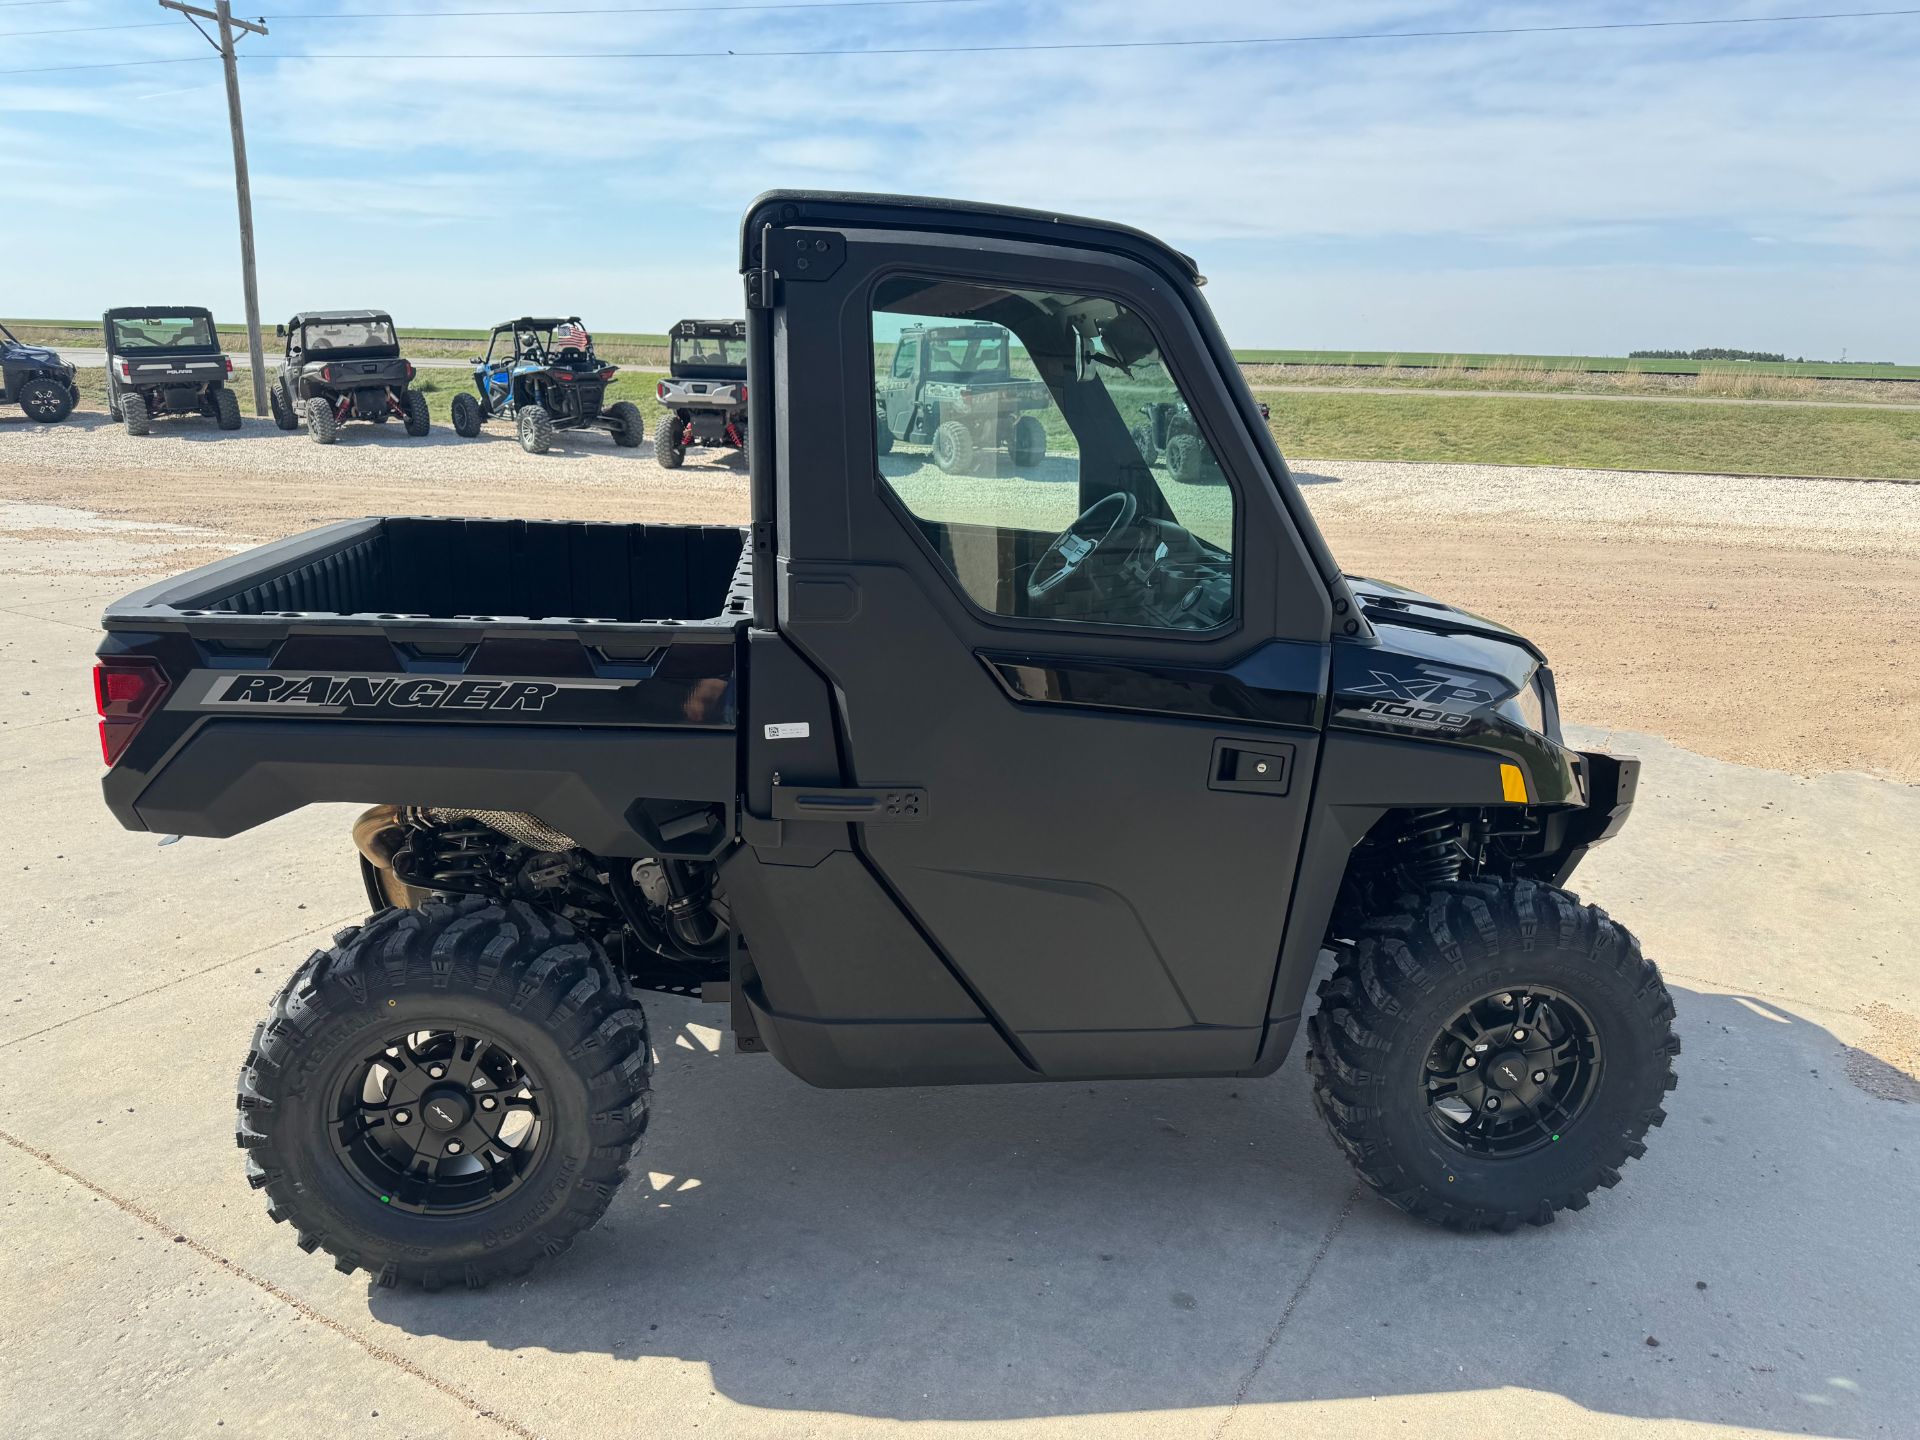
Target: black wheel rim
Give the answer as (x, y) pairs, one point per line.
(1512, 1072)
(439, 1121)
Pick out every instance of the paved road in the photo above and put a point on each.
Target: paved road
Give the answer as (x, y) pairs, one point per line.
(1176, 1259)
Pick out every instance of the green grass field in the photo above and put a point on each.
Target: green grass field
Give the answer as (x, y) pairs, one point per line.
(1865, 441)
(1588, 364)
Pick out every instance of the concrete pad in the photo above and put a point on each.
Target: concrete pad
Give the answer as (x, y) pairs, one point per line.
(1787, 885)
(115, 1328)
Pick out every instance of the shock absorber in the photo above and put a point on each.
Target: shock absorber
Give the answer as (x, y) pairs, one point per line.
(1432, 846)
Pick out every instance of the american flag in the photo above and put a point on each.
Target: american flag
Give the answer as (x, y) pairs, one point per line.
(571, 337)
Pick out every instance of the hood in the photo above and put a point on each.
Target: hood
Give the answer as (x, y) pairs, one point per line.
(31, 354)
(1436, 670)
(1388, 604)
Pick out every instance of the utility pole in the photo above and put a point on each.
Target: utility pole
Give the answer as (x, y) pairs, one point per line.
(223, 17)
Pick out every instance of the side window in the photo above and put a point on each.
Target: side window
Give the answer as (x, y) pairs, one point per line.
(1048, 456)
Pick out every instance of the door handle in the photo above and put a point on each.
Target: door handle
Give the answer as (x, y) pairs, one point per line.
(1251, 769)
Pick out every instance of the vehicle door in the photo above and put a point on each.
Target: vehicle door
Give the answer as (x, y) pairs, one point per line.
(1096, 693)
(897, 382)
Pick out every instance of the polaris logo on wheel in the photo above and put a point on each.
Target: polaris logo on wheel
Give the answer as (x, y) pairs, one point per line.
(336, 693)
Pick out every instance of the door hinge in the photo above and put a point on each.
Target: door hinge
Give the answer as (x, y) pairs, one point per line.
(763, 291)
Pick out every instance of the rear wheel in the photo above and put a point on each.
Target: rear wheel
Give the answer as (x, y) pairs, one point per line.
(1489, 1053)
(667, 446)
(466, 416)
(134, 414)
(448, 1094)
(46, 401)
(322, 427)
(536, 429)
(882, 432)
(1143, 442)
(226, 409)
(953, 447)
(414, 404)
(1028, 445)
(628, 428)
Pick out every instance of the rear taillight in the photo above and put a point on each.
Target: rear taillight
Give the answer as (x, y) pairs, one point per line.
(743, 394)
(410, 370)
(126, 371)
(326, 373)
(609, 372)
(126, 690)
(660, 390)
(229, 360)
(562, 375)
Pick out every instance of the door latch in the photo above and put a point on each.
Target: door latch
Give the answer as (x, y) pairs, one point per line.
(1252, 769)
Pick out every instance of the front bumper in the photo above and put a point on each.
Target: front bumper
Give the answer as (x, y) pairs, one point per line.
(1611, 783)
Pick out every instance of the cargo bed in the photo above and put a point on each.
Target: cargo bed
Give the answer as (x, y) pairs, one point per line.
(436, 568)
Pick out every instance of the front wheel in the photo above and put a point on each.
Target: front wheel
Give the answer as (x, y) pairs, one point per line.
(628, 428)
(46, 401)
(466, 416)
(1027, 446)
(413, 406)
(447, 1095)
(280, 402)
(1492, 1052)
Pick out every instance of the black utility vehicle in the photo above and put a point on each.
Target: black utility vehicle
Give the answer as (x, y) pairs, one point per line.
(1166, 432)
(166, 360)
(36, 379)
(344, 365)
(705, 391)
(952, 387)
(544, 376)
(1059, 777)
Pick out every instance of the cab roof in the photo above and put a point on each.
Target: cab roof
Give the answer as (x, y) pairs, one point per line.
(305, 315)
(711, 329)
(536, 322)
(133, 312)
(922, 212)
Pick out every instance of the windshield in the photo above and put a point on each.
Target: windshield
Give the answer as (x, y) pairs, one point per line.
(162, 332)
(348, 334)
(709, 350)
(976, 352)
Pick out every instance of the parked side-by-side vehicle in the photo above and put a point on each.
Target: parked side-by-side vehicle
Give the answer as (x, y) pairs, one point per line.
(704, 390)
(166, 361)
(543, 375)
(342, 365)
(36, 379)
(1061, 773)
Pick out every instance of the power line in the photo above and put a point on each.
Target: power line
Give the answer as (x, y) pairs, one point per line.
(86, 29)
(498, 14)
(1065, 45)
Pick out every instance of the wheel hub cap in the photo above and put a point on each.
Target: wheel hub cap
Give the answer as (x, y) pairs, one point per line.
(1511, 1071)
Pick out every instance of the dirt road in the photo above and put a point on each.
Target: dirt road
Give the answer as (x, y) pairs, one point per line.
(1770, 622)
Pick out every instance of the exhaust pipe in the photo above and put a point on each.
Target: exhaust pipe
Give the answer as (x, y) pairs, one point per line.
(381, 831)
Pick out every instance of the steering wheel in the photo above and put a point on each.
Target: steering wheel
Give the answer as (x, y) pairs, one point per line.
(1073, 546)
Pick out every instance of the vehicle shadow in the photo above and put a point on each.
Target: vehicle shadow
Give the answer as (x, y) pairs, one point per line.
(1018, 1252)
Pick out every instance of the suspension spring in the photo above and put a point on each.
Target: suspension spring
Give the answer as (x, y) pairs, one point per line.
(1433, 852)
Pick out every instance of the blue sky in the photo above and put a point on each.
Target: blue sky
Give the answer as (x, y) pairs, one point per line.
(1755, 186)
